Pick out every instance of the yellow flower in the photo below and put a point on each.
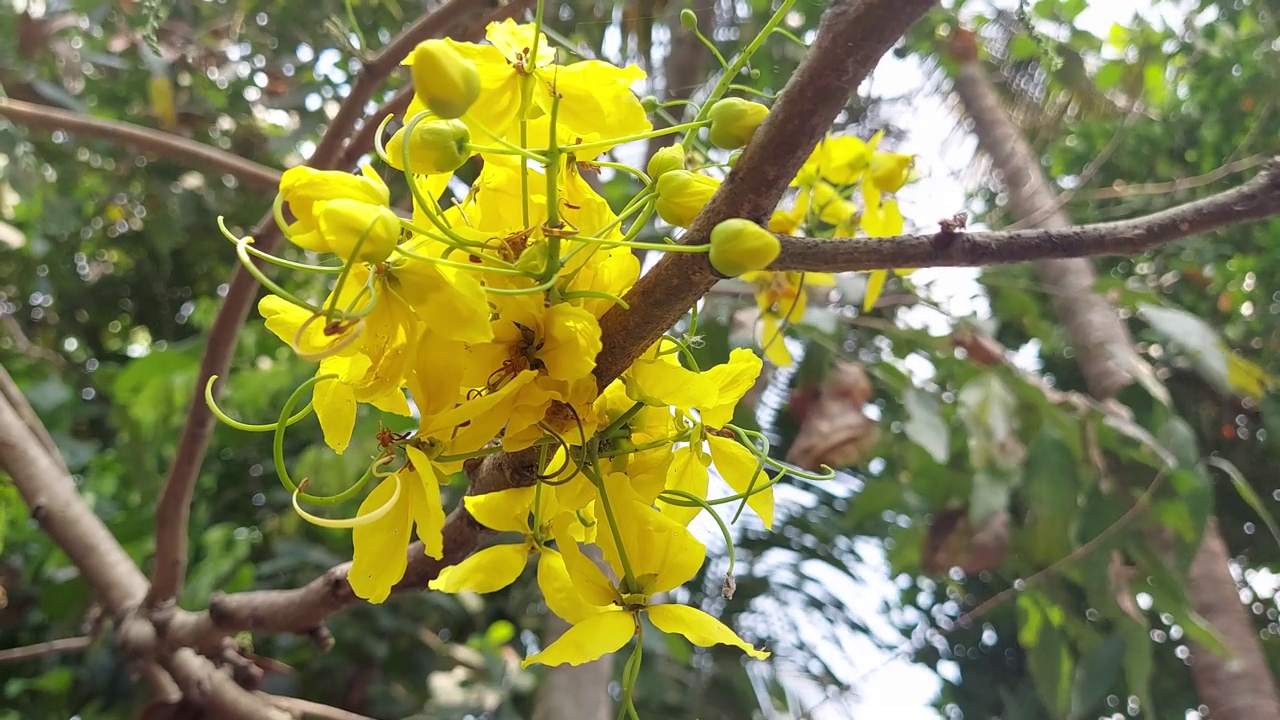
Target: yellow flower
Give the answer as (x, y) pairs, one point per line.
(303, 189)
(659, 379)
(839, 159)
(442, 79)
(594, 95)
(682, 195)
(883, 220)
(661, 555)
(381, 546)
(497, 566)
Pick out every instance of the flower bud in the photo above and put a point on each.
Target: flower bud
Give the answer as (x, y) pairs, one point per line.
(344, 222)
(443, 80)
(665, 160)
(739, 245)
(734, 121)
(688, 19)
(437, 147)
(649, 103)
(682, 195)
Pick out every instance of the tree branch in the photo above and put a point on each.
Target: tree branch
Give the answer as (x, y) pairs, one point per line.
(144, 139)
(52, 647)
(1255, 200)
(173, 512)
(812, 99)
(851, 39)
(303, 610)
(305, 708)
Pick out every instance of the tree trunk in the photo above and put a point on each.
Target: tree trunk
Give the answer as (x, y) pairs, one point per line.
(684, 65)
(576, 693)
(1238, 687)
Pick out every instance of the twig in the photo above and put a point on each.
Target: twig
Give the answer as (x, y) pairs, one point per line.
(1255, 200)
(9, 392)
(1086, 176)
(52, 647)
(174, 508)
(144, 139)
(305, 708)
(1121, 189)
(23, 344)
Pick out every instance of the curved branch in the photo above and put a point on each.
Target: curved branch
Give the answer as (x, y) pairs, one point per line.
(1255, 200)
(144, 139)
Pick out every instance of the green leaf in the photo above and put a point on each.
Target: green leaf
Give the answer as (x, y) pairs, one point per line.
(1247, 493)
(1051, 668)
(925, 425)
(1139, 663)
(1170, 596)
(1051, 491)
(1211, 357)
(1096, 675)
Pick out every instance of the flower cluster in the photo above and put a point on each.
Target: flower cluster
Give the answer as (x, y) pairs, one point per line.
(478, 313)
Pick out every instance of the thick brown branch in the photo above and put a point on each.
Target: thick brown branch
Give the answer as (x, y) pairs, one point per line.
(144, 139)
(303, 610)
(52, 647)
(1255, 200)
(56, 505)
(174, 508)
(852, 37)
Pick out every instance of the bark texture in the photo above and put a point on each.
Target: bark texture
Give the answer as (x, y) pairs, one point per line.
(1237, 687)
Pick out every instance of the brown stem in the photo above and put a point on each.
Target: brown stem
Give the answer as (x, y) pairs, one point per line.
(52, 647)
(307, 709)
(1257, 199)
(851, 38)
(175, 147)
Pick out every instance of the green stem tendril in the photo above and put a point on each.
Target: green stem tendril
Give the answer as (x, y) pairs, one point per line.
(611, 142)
(731, 72)
(788, 35)
(278, 261)
(710, 46)
(683, 348)
(242, 426)
(473, 267)
(748, 90)
(621, 421)
(430, 209)
(552, 176)
(243, 253)
(379, 148)
(358, 520)
(786, 318)
(761, 451)
(702, 503)
(621, 167)
(628, 577)
(506, 148)
(346, 271)
(580, 294)
(828, 473)
(539, 288)
(631, 676)
(277, 453)
(664, 247)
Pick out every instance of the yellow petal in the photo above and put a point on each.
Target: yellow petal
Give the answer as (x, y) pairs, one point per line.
(489, 570)
(587, 577)
(570, 342)
(381, 547)
(698, 628)
(732, 380)
(428, 511)
(591, 639)
(686, 473)
(875, 284)
(662, 553)
(595, 97)
(335, 405)
(505, 510)
(773, 342)
(558, 590)
(739, 468)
